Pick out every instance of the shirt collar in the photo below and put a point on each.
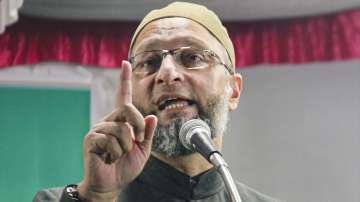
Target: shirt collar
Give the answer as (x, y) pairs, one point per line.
(168, 179)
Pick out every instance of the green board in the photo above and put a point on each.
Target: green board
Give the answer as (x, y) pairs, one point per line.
(41, 134)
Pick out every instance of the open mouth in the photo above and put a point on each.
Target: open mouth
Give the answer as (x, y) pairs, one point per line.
(174, 103)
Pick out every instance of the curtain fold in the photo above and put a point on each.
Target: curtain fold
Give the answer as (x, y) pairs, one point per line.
(322, 38)
(105, 44)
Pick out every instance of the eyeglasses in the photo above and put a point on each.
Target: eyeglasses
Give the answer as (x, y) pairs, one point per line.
(149, 62)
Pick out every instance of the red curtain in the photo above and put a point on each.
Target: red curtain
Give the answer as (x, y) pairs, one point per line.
(105, 44)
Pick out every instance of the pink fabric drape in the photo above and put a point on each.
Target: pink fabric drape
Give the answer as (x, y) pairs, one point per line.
(302, 40)
(105, 44)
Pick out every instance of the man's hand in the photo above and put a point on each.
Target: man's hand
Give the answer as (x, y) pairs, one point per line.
(116, 150)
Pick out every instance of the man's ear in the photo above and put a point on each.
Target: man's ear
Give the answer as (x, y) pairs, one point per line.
(236, 88)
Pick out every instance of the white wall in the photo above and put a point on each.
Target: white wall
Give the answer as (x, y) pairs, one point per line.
(296, 133)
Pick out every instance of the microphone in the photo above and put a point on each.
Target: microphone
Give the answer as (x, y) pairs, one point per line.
(195, 135)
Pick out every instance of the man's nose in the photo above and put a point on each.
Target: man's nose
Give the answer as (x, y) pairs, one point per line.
(168, 72)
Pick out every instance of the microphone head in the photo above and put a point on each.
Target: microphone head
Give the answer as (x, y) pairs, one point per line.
(187, 129)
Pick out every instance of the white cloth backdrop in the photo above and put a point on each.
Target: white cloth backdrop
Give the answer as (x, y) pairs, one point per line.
(296, 133)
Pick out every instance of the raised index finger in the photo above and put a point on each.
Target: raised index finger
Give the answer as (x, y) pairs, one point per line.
(125, 91)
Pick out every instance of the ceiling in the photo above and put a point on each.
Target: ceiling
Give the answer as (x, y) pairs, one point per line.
(226, 9)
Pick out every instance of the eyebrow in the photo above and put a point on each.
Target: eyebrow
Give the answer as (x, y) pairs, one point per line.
(193, 42)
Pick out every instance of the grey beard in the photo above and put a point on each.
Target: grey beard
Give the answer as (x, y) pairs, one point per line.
(166, 138)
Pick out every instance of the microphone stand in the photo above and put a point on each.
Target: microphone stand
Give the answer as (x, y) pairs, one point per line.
(218, 161)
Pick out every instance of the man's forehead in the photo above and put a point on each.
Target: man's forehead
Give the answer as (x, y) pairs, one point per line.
(175, 30)
(172, 22)
(175, 42)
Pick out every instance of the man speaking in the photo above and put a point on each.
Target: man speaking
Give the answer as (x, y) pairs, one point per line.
(181, 67)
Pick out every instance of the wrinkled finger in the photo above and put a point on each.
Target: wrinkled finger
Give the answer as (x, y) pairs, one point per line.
(150, 127)
(125, 89)
(135, 119)
(127, 137)
(106, 147)
(115, 115)
(110, 128)
(128, 113)
(123, 133)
